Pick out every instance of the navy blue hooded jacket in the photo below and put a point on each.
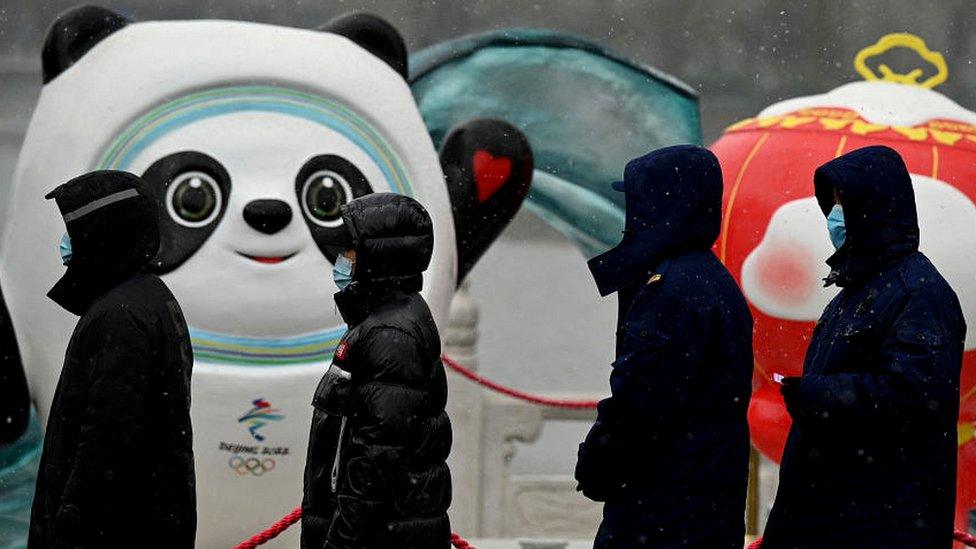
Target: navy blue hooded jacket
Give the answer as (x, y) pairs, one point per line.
(871, 457)
(669, 451)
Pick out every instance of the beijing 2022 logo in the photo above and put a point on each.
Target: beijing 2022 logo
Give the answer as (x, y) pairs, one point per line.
(255, 459)
(260, 415)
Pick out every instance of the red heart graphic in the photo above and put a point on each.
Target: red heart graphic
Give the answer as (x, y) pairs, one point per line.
(490, 173)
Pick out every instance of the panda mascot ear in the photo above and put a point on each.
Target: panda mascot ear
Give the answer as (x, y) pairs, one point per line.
(73, 34)
(488, 166)
(374, 35)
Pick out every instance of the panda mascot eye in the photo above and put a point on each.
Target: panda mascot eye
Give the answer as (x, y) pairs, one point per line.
(323, 185)
(193, 199)
(192, 190)
(323, 194)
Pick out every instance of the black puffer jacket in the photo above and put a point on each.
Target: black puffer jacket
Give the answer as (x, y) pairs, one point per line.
(117, 466)
(376, 475)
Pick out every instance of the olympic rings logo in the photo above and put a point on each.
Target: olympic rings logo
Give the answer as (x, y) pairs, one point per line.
(251, 465)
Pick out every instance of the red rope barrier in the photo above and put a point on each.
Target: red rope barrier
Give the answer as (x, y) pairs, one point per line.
(964, 538)
(457, 541)
(291, 518)
(460, 543)
(515, 393)
(273, 532)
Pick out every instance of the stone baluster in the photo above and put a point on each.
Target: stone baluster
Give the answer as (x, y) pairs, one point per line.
(465, 410)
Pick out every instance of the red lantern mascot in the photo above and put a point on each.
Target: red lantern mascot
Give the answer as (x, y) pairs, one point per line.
(774, 239)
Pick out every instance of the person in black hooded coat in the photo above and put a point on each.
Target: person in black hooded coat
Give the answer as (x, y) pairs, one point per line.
(870, 460)
(376, 474)
(117, 465)
(669, 452)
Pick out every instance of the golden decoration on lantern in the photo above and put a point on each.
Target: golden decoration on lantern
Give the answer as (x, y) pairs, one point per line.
(847, 121)
(902, 40)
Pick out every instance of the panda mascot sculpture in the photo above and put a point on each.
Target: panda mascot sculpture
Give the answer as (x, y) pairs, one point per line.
(252, 136)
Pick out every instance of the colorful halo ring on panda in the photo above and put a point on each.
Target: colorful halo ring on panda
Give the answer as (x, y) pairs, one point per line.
(232, 99)
(227, 348)
(774, 240)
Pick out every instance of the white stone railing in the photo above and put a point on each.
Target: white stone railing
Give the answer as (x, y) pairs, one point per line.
(528, 505)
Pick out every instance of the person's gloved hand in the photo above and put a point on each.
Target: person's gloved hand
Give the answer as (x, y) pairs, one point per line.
(790, 389)
(600, 464)
(590, 473)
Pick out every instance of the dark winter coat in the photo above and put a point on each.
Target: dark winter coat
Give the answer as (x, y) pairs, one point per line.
(871, 457)
(376, 474)
(117, 465)
(669, 452)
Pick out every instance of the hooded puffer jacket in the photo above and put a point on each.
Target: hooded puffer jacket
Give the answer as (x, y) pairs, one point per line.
(870, 460)
(376, 474)
(117, 466)
(669, 451)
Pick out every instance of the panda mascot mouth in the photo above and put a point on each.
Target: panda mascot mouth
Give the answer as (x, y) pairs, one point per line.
(268, 260)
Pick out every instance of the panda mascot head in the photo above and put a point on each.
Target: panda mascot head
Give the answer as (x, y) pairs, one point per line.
(252, 136)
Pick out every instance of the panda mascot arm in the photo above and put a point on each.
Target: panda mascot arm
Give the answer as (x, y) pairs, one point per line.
(488, 167)
(14, 396)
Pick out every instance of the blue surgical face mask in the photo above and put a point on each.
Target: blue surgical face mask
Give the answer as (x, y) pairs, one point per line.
(835, 226)
(342, 272)
(65, 248)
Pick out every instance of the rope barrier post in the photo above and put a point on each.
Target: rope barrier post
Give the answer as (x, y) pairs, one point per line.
(752, 494)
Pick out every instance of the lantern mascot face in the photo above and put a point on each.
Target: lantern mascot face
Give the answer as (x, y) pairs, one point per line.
(775, 238)
(253, 136)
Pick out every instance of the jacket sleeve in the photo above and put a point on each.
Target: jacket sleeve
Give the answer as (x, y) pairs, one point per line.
(917, 376)
(388, 375)
(315, 512)
(111, 428)
(651, 391)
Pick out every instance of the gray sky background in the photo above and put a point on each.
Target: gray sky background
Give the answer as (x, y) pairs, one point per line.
(739, 54)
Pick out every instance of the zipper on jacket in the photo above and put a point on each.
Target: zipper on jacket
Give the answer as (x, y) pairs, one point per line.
(335, 464)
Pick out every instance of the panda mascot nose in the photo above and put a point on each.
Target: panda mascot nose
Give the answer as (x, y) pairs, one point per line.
(267, 215)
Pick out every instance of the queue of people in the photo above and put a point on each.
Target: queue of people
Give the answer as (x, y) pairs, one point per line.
(870, 459)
